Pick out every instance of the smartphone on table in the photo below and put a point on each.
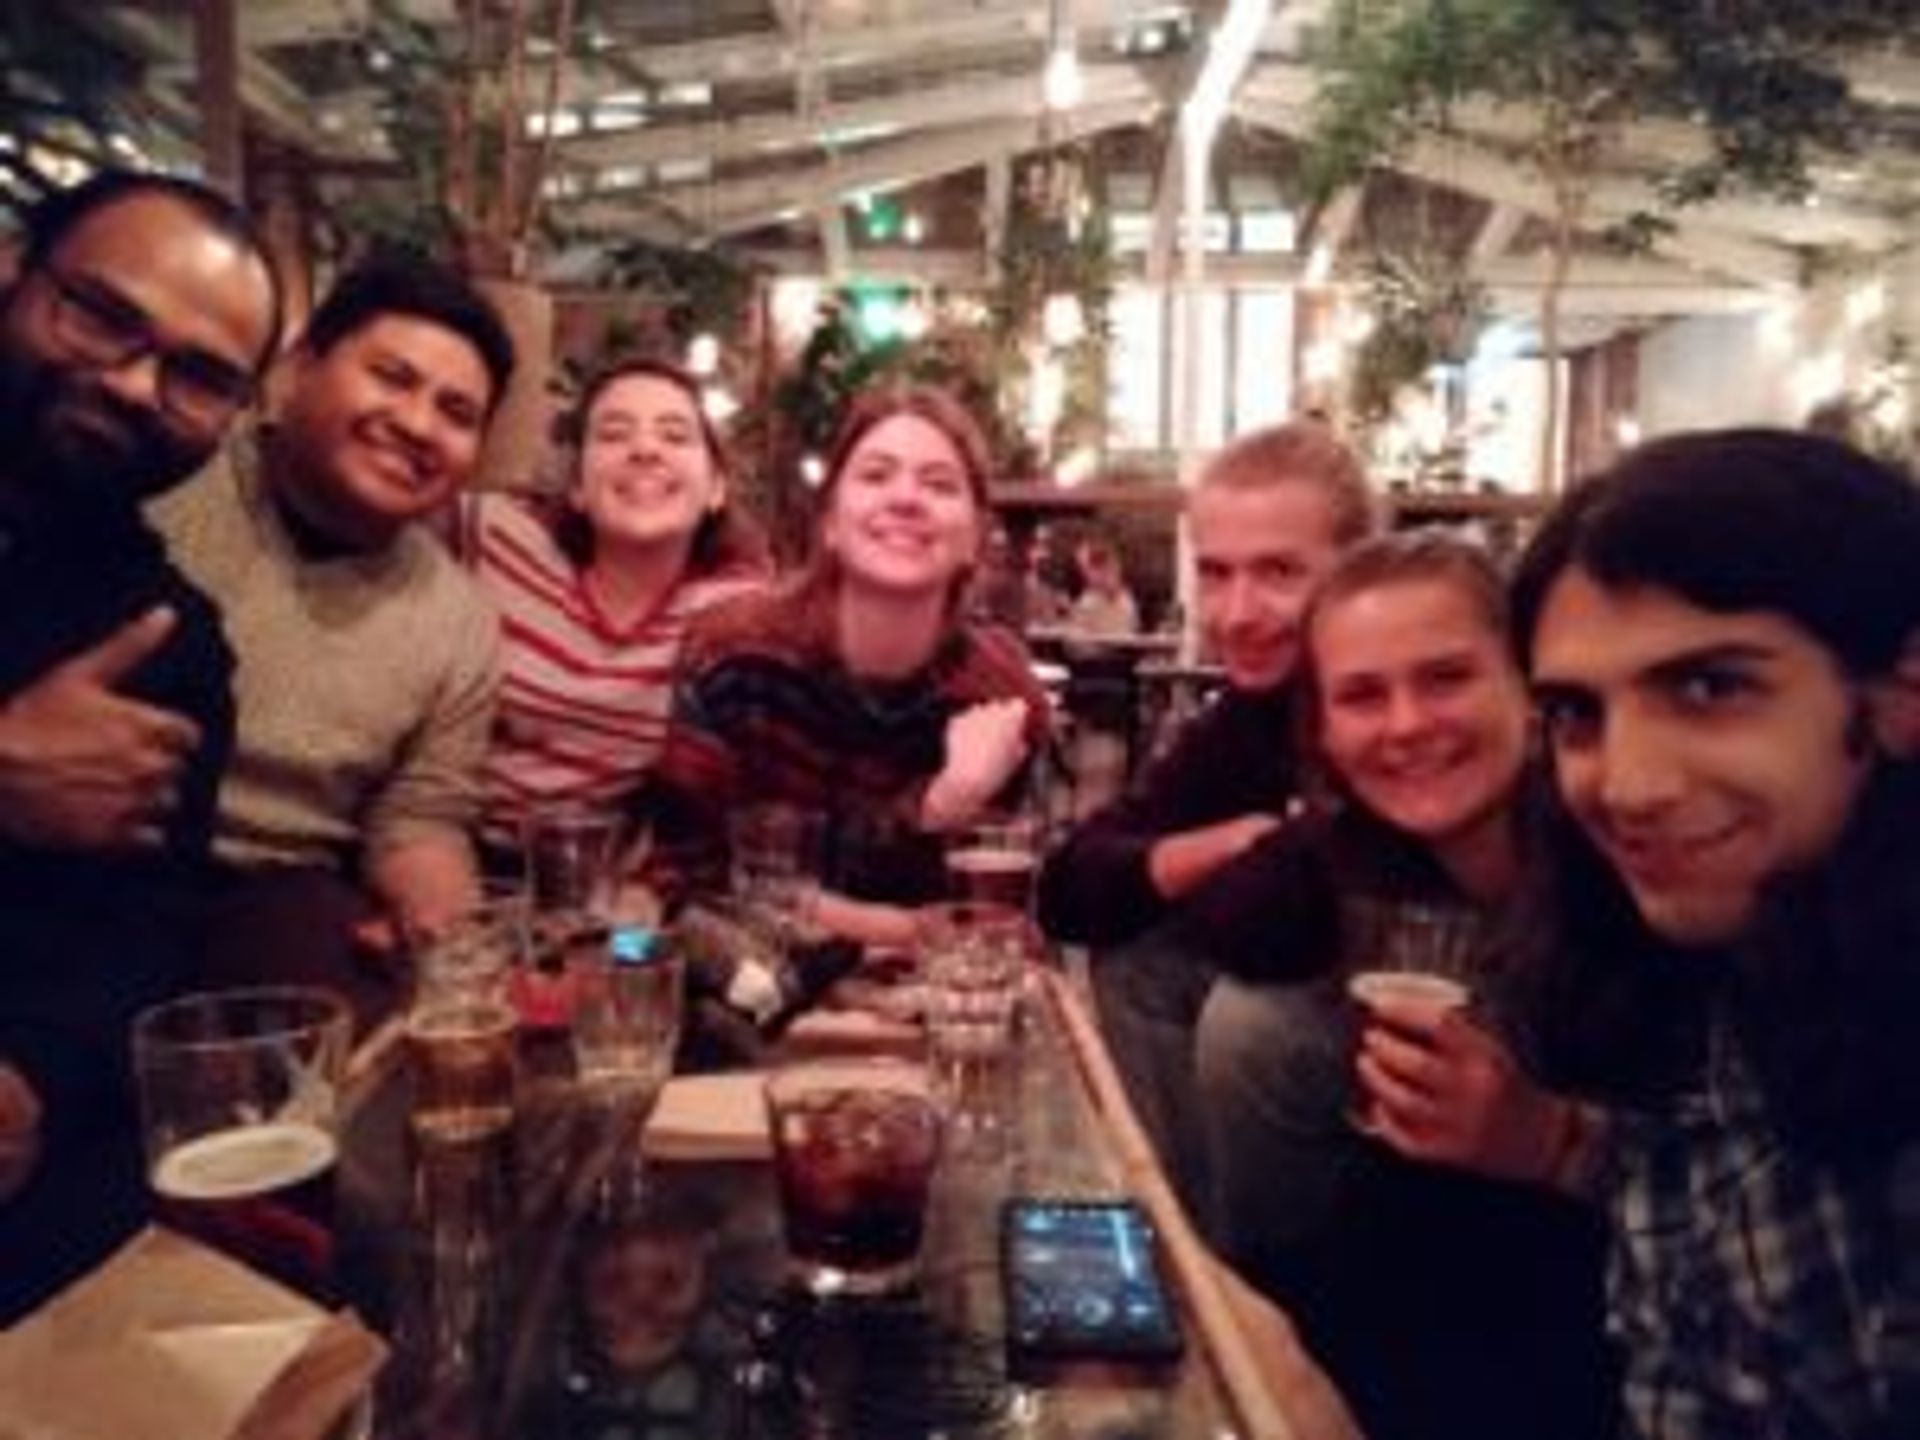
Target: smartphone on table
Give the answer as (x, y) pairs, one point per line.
(1083, 1280)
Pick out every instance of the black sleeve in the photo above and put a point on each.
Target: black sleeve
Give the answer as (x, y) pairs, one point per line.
(1273, 914)
(104, 936)
(1095, 888)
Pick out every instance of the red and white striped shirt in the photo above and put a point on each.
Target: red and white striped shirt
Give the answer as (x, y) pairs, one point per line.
(584, 703)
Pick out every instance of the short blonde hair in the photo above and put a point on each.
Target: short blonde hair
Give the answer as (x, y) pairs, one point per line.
(1301, 452)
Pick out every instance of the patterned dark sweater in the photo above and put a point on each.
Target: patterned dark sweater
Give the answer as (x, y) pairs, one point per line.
(765, 710)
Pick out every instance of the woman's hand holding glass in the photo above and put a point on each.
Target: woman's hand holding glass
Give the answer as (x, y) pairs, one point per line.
(1439, 1087)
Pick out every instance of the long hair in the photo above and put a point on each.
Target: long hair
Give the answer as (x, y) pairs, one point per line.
(871, 409)
(1823, 986)
(724, 540)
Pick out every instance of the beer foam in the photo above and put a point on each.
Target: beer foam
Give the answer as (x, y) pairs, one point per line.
(461, 1020)
(244, 1161)
(1409, 986)
(992, 862)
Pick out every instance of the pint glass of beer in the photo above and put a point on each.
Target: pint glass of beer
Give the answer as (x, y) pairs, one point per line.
(461, 1026)
(995, 861)
(239, 1107)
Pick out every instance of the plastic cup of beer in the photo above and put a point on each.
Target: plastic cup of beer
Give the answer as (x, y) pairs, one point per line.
(855, 1144)
(1413, 956)
(239, 1097)
(626, 1015)
(461, 1026)
(995, 861)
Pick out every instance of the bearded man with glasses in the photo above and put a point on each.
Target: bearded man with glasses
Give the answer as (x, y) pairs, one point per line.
(139, 316)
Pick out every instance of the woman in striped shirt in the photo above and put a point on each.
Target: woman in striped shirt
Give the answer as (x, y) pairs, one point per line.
(594, 595)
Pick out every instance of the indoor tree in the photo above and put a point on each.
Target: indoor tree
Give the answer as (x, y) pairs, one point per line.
(1764, 81)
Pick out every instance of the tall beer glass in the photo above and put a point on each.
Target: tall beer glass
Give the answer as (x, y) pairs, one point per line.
(239, 1101)
(461, 1026)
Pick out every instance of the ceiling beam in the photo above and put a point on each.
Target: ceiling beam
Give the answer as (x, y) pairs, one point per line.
(1598, 287)
(1604, 285)
(1493, 177)
(285, 22)
(1653, 144)
(1455, 164)
(966, 98)
(770, 54)
(1496, 232)
(728, 206)
(264, 91)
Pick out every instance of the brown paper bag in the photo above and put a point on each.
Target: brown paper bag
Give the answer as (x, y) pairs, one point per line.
(169, 1340)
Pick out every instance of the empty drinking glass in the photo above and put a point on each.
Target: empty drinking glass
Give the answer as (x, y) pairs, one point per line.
(626, 1014)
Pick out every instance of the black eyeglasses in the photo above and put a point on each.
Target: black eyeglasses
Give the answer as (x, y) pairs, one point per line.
(101, 328)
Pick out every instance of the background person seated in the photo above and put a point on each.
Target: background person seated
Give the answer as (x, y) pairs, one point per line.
(1104, 606)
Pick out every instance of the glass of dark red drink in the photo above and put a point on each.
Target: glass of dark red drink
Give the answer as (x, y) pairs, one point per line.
(239, 1099)
(855, 1143)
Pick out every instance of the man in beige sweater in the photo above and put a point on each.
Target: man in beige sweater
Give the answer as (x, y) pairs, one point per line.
(366, 659)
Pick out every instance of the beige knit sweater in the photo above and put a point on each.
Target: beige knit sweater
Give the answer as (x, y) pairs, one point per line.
(365, 683)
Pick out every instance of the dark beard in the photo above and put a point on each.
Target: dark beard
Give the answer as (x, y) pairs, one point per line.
(69, 470)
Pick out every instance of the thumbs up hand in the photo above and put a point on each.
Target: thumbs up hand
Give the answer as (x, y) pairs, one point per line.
(83, 767)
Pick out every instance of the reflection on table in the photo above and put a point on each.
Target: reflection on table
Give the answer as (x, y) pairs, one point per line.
(551, 1284)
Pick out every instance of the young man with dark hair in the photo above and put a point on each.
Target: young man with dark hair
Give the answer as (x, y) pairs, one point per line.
(366, 672)
(135, 329)
(1721, 635)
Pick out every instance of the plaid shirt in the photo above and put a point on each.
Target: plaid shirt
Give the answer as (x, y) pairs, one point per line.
(1757, 1294)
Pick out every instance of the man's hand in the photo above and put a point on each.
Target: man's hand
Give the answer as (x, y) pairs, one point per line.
(985, 744)
(426, 883)
(1182, 862)
(19, 1131)
(83, 768)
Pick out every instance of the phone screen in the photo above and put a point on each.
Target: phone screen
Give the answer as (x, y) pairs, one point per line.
(1083, 1281)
